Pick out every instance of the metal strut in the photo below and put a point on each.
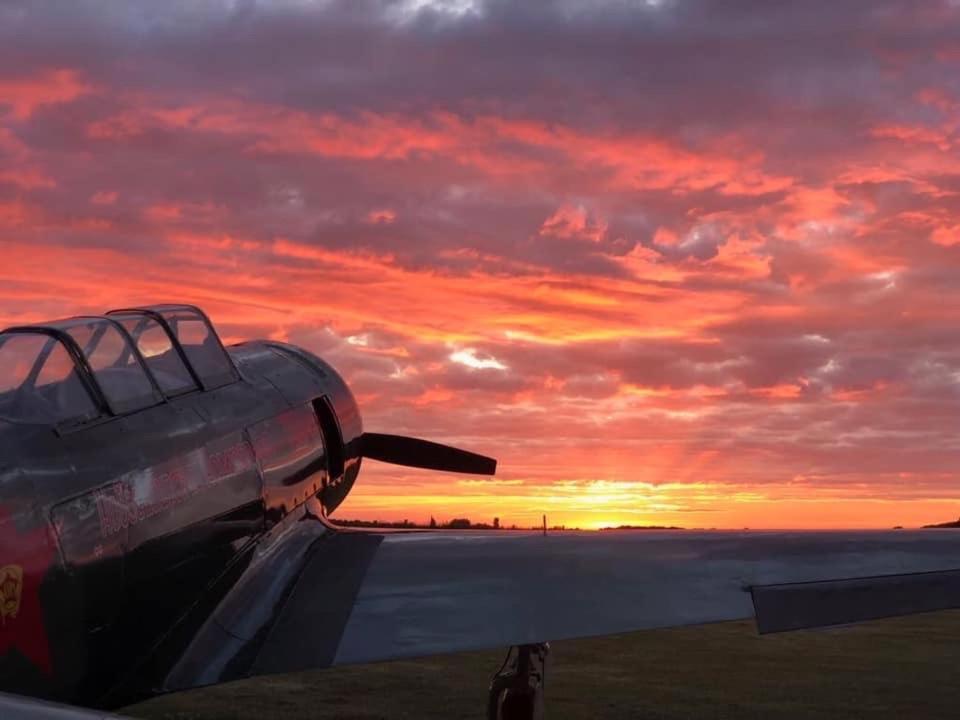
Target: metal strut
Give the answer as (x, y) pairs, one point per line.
(517, 693)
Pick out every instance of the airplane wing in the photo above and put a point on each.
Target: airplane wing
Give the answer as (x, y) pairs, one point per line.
(363, 597)
(15, 707)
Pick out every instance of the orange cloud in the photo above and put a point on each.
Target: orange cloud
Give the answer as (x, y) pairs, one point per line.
(573, 222)
(23, 96)
(633, 161)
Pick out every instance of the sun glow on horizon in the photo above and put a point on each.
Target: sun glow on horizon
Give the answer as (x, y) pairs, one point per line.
(694, 299)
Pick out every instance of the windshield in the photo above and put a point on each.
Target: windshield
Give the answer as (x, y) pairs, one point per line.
(39, 382)
(121, 377)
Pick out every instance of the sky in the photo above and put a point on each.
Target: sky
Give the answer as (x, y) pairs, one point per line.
(671, 262)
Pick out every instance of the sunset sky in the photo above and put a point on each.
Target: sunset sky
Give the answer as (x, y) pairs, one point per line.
(691, 263)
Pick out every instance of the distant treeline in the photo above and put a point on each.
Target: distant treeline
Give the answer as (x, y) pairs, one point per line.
(466, 524)
(954, 524)
(455, 524)
(643, 527)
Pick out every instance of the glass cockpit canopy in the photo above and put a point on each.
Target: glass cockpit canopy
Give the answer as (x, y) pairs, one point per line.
(39, 382)
(70, 371)
(76, 370)
(199, 347)
(157, 346)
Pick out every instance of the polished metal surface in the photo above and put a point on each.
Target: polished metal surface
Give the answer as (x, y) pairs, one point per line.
(13, 707)
(794, 606)
(437, 592)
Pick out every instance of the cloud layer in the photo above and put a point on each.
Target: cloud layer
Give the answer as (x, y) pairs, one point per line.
(677, 262)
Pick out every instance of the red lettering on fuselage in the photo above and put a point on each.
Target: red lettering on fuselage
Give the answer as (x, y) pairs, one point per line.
(234, 459)
(143, 494)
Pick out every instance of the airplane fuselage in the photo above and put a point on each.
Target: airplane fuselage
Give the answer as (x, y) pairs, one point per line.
(121, 538)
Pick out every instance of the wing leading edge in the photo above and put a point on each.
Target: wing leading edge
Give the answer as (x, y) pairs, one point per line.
(15, 707)
(418, 594)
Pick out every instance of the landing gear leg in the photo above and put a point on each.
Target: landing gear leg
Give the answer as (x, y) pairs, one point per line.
(517, 693)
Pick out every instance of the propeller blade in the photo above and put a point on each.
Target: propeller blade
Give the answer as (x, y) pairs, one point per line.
(413, 452)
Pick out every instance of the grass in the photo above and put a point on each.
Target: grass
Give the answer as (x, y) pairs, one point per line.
(900, 668)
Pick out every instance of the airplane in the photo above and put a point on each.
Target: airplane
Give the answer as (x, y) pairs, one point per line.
(165, 523)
